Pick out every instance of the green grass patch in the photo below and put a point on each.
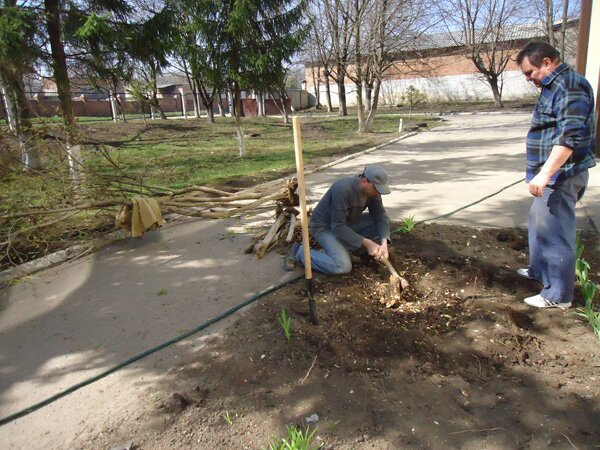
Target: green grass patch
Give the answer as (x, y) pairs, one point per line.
(184, 152)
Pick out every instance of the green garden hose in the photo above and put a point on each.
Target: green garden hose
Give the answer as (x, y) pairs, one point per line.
(398, 230)
(139, 356)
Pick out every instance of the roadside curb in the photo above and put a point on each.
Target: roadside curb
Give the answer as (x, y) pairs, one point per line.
(71, 253)
(53, 259)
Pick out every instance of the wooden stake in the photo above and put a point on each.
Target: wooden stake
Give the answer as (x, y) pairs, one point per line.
(304, 219)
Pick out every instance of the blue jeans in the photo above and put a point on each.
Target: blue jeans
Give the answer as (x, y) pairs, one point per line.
(552, 230)
(334, 258)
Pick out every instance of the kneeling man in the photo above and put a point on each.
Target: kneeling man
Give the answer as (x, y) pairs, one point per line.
(340, 225)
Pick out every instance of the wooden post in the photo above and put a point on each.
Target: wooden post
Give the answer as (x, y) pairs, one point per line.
(304, 220)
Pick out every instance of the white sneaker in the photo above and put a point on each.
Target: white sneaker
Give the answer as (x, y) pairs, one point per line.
(537, 301)
(524, 272)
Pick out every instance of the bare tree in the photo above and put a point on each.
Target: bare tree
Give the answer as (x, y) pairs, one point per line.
(484, 28)
(394, 29)
(367, 41)
(315, 68)
(546, 11)
(320, 49)
(358, 11)
(337, 18)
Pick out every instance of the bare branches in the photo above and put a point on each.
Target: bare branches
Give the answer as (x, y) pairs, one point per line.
(481, 27)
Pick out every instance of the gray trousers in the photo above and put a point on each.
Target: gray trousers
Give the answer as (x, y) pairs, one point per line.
(552, 230)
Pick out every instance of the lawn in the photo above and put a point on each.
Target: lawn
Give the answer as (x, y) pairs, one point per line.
(178, 153)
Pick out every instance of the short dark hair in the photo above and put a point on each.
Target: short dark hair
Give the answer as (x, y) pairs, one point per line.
(536, 51)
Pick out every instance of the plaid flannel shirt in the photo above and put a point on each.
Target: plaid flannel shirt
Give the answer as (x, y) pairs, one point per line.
(563, 115)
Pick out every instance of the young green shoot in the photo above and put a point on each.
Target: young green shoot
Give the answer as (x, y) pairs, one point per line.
(285, 323)
(407, 224)
(227, 418)
(296, 440)
(588, 290)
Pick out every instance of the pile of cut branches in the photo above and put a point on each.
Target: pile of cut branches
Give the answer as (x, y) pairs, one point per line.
(19, 228)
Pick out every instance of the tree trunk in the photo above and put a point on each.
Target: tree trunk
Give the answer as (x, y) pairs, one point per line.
(195, 102)
(220, 103)
(113, 105)
(156, 106)
(328, 92)
(9, 104)
(18, 117)
(373, 110)
(280, 104)
(29, 152)
(207, 101)
(63, 86)
(550, 21)
(260, 104)
(238, 118)
(286, 116)
(369, 95)
(358, 80)
(231, 103)
(199, 111)
(121, 108)
(194, 88)
(497, 94)
(563, 29)
(361, 108)
(316, 87)
(342, 109)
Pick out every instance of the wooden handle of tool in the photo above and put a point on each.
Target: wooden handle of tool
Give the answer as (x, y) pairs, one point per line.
(302, 195)
(387, 263)
(403, 282)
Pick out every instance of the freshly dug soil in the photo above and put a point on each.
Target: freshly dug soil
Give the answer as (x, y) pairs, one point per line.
(460, 362)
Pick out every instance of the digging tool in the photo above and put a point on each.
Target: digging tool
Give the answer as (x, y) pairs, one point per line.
(396, 284)
(310, 286)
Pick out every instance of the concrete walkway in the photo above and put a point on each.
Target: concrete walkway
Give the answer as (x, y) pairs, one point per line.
(71, 322)
(437, 172)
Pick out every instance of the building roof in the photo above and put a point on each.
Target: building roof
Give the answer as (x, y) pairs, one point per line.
(171, 79)
(516, 32)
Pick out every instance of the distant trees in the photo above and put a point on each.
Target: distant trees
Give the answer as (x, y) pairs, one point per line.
(483, 28)
(550, 12)
(363, 41)
(395, 28)
(247, 43)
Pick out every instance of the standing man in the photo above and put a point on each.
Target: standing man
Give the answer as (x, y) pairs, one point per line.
(560, 150)
(339, 225)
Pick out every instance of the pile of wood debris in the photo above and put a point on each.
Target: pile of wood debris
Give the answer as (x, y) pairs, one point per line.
(285, 227)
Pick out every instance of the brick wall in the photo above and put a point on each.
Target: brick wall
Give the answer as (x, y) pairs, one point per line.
(90, 107)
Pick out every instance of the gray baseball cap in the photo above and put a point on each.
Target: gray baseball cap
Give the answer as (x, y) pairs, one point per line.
(378, 177)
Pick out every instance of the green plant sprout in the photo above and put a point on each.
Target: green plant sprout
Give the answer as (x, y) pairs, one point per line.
(296, 440)
(588, 289)
(285, 323)
(407, 224)
(227, 418)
